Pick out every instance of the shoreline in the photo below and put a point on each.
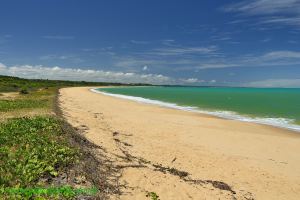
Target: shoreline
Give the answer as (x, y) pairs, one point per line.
(165, 150)
(280, 123)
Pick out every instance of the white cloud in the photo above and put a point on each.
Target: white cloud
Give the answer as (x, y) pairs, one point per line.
(139, 42)
(168, 42)
(58, 37)
(175, 51)
(134, 62)
(71, 58)
(273, 58)
(266, 40)
(282, 20)
(262, 7)
(221, 36)
(145, 68)
(280, 58)
(51, 57)
(285, 83)
(285, 12)
(2, 67)
(282, 55)
(76, 74)
(58, 73)
(192, 80)
(216, 65)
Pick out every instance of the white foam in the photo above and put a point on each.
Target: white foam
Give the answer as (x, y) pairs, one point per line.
(278, 122)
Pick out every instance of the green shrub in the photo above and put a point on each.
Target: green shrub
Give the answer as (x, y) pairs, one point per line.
(24, 91)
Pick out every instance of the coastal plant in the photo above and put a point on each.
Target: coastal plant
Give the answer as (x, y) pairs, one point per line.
(152, 195)
(24, 90)
(32, 148)
(34, 151)
(10, 105)
(34, 100)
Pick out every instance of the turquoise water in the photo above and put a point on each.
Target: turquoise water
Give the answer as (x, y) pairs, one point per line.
(275, 106)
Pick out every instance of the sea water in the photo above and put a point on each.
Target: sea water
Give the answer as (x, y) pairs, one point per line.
(273, 106)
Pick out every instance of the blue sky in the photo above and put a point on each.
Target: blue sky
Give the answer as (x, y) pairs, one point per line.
(229, 43)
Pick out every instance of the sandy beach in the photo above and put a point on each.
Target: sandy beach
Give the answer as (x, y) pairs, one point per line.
(185, 155)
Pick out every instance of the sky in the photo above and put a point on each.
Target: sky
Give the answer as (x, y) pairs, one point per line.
(189, 42)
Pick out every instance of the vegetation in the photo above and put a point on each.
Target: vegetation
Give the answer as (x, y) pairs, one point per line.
(14, 84)
(36, 99)
(34, 145)
(31, 148)
(24, 91)
(152, 195)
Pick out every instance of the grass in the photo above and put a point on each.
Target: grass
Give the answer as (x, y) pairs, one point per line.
(8, 105)
(42, 98)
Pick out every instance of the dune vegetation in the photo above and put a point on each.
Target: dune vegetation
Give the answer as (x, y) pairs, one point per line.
(35, 149)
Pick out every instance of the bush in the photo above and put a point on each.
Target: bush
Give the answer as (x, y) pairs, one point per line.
(24, 91)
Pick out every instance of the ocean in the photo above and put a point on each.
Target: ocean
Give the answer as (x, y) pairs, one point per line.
(279, 107)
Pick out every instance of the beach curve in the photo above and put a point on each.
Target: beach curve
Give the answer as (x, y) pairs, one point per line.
(183, 155)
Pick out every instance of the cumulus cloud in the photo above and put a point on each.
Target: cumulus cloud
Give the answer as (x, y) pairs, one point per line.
(285, 83)
(77, 74)
(58, 73)
(2, 67)
(192, 80)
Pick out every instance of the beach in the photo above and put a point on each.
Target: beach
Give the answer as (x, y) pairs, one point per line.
(185, 155)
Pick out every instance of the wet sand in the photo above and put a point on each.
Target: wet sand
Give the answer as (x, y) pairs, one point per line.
(184, 155)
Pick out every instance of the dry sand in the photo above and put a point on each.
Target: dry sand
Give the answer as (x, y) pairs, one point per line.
(254, 161)
(8, 95)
